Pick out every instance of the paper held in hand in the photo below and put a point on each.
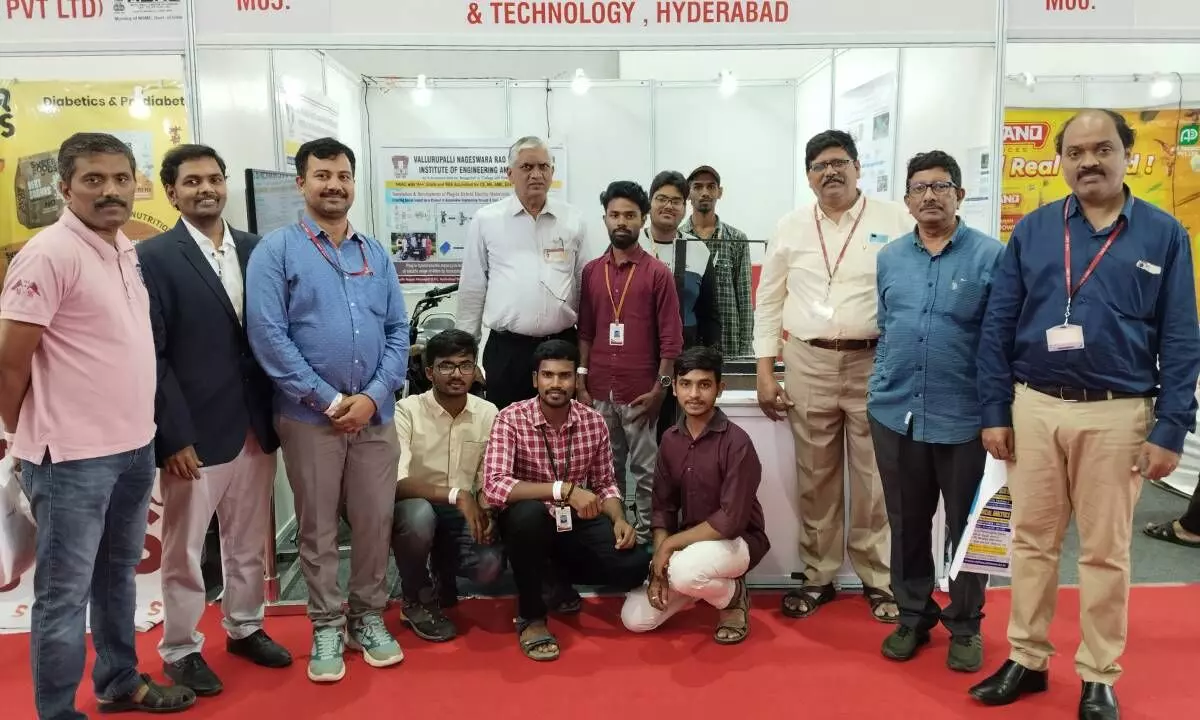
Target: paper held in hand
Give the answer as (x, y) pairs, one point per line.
(986, 544)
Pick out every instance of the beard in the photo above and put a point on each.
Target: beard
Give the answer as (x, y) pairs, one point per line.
(623, 240)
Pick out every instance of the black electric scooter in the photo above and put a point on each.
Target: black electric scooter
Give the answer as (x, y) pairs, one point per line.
(421, 328)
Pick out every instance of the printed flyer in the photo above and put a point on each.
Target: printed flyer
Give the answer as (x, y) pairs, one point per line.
(430, 195)
(150, 116)
(986, 544)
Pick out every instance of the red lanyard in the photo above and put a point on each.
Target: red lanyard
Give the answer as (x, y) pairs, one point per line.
(1067, 252)
(366, 267)
(821, 235)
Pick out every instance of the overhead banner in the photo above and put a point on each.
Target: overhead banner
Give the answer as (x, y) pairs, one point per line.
(1164, 168)
(620, 24)
(1117, 20)
(150, 116)
(92, 25)
(430, 194)
(16, 598)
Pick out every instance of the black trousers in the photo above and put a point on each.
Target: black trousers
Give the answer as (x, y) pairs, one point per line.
(508, 364)
(1191, 519)
(585, 555)
(914, 474)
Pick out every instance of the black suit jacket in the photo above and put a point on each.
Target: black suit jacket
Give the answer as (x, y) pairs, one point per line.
(210, 387)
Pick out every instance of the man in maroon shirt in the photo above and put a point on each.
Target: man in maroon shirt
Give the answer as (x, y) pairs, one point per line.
(708, 524)
(630, 333)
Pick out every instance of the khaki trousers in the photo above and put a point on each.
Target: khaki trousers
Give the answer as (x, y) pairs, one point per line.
(1073, 457)
(829, 392)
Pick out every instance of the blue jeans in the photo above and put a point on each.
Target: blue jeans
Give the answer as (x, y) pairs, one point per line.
(91, 530)
(424, 534)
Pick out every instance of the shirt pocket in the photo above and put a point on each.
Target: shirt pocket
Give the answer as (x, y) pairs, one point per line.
(375, 295)
(966, 299)
(470, 457)
(1135, 296)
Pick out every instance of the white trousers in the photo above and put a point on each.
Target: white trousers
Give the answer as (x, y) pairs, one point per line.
(239, 492)
(705, 571)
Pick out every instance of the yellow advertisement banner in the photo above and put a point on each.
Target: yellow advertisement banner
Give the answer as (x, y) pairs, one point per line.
(1164, 167)
(35, 117)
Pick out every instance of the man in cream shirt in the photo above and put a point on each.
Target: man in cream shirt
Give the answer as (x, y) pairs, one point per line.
(818, 285)
(441, 519)
(520, 275)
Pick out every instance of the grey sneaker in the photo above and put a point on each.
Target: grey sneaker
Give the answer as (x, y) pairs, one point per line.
(325, 663)
(378, 646)
(903, 643)
(966, 653)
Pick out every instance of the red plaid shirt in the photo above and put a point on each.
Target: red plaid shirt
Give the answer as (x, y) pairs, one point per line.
(516, 451)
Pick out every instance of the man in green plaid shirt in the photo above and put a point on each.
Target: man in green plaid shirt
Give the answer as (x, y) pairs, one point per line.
(731, 261)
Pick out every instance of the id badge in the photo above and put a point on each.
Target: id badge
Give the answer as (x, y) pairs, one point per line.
(616, 333)
(562, 518)
(1064, 337)
(555, 255)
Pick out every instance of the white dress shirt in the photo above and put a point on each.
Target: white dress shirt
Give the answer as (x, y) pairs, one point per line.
(224, 262)
(521, 274)
(795, 292)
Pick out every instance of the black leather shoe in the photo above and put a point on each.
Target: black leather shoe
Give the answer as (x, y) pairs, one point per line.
(192, 672)
(260, 650)
(1009, 683)
(1098, 702)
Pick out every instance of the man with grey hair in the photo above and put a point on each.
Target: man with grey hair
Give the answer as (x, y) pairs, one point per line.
(77, 383)
(521, 273)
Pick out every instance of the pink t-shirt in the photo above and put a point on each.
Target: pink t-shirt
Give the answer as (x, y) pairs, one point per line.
(91, 392)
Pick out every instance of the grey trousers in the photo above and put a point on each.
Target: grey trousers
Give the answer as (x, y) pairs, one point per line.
(634, 444)
(327, 468)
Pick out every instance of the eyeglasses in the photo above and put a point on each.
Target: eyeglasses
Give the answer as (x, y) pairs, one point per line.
(447, 369)
(668, 200)
(940, 187)
(836, 164)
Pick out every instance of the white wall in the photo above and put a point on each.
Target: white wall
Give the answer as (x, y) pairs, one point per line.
(473, 64)
(704, 64)
(1101, 58)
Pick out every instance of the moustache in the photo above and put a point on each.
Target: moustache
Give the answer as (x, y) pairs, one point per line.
(833, 179)
(1090, 172)
(109, 202)
(930, 206)
(334, 193)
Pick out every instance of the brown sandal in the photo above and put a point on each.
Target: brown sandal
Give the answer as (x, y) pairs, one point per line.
(740, 603)
(540, 642)
(804, 600)
(156, 699)
(878, 598)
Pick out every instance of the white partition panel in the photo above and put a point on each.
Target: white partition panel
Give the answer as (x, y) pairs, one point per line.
(607, 133)
(814, 114)
(749, 137)
(459, 111)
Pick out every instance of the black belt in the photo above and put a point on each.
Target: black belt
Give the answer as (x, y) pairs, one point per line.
(536, 338)
(1071, 394)
(843, 345)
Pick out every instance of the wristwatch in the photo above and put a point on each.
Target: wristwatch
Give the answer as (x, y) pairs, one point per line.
(664, 380)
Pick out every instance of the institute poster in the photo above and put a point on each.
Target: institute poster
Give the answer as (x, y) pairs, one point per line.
(150, 116)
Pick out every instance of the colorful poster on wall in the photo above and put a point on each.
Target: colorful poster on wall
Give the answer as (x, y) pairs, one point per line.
(35, 117)
(305, 118)
(1164, 168)
(868, 113)
(430, 194)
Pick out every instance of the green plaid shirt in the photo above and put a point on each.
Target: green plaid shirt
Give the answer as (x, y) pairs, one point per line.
(731, 265)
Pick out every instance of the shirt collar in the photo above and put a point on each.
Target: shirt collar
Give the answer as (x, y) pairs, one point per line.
(203, 240)
(718, 423)
(516, 208)
(718, 229)
(72, 222)
(351, 233)
(539, 420)
(960, 232)
(434, 407)
(636, 253)
(1074, 208)
(853, 212)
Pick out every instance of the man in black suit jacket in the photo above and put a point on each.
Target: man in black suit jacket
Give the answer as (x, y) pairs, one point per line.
(215, 441)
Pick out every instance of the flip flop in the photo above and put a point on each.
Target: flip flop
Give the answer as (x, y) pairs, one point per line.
(1166, 533)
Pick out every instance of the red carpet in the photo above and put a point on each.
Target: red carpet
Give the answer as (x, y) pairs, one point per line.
(827, 666)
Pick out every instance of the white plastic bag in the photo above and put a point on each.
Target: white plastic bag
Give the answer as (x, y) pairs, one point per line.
(18, 532)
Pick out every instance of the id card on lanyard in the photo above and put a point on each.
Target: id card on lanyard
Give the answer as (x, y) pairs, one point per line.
(562, 513)
(616, 329)
(1069, 336)
(822, 308)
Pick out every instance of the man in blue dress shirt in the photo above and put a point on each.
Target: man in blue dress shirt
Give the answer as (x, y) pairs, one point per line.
(326, 320)
(1087, 375)
(932, 287)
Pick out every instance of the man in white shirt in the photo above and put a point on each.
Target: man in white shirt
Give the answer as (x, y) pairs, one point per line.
(214, 437)
(520, 275)
(818, 285)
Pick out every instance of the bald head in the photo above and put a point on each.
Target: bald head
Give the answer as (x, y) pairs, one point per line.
(1095, 146)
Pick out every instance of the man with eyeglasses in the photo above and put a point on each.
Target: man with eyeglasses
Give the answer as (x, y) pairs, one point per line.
(924, 407)
(731, 260)
(818, 285)
(691, 264)
(520, 273)
(442, 519)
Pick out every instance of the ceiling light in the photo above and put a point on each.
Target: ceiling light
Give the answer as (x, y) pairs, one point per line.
(1161, 88)
(1028, 79)
(729, 83)
(581, 83)
(138, 108)
(421, 94)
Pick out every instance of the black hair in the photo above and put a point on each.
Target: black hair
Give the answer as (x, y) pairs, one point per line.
(449, 343)
(673, 178)
(625, 190)
(700, 357)
(86, 143)
(823, 141)
(933, 160)
(1127, 134)
(178, 155)
(325, 148)
(555, 350)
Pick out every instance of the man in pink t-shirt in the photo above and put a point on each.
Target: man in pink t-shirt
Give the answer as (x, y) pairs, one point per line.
(77, 384)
